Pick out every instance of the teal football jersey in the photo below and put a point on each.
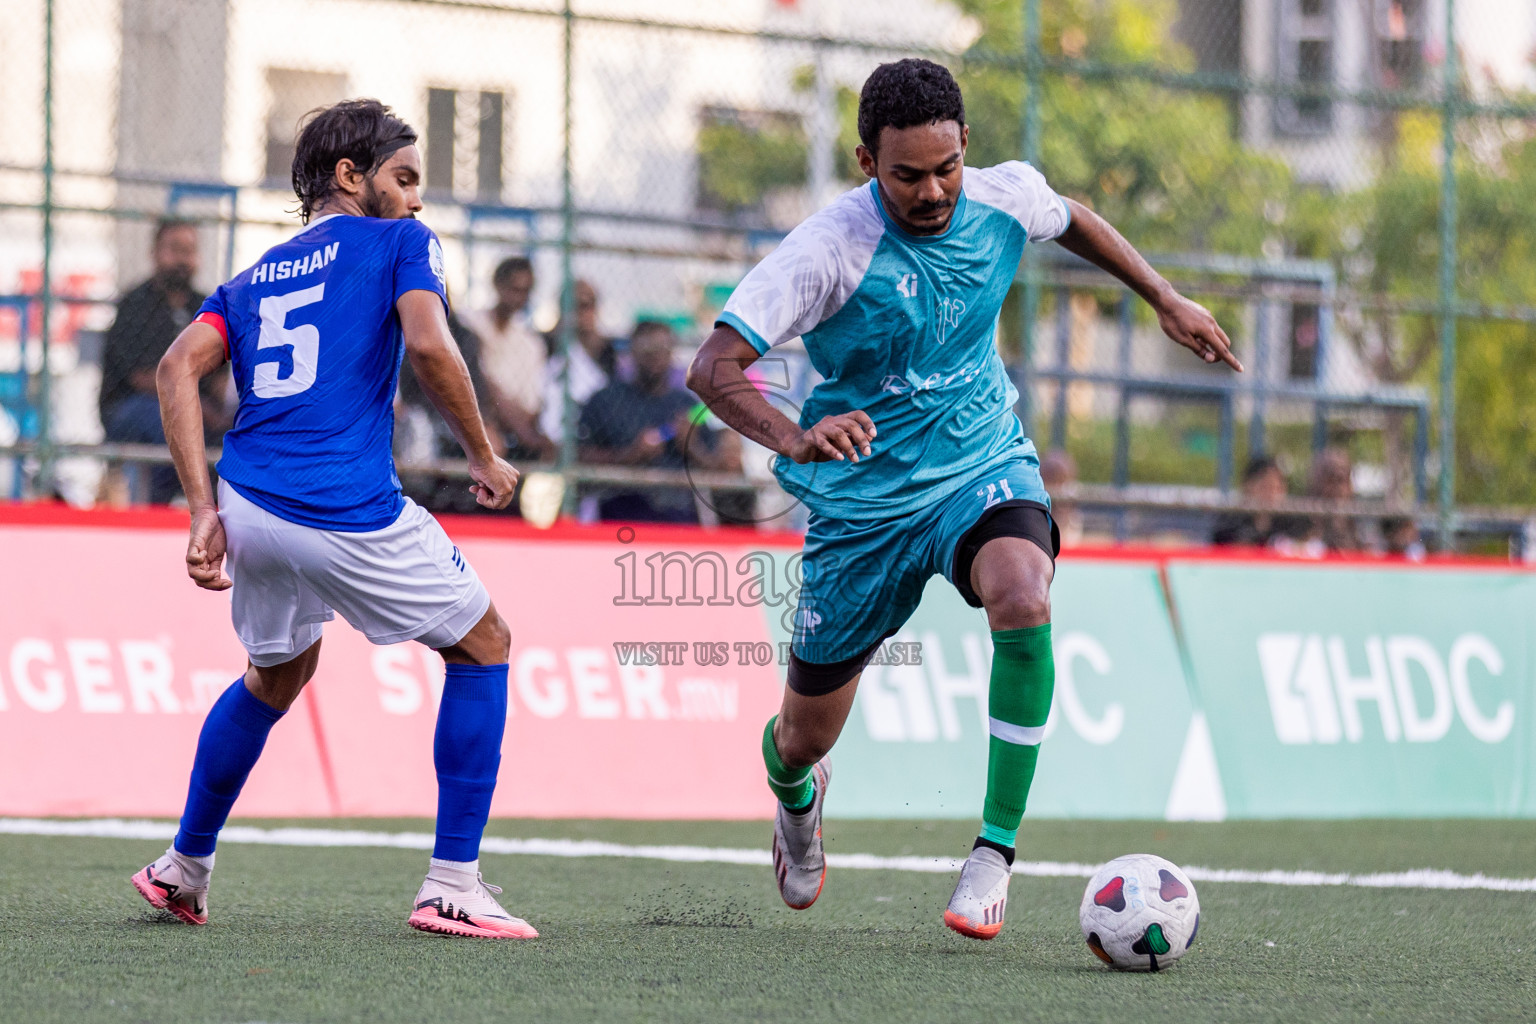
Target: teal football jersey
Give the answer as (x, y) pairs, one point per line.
(903, 327)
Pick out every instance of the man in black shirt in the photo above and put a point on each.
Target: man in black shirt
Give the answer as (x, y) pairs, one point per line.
(148, 319)
(443, 493)
(649, 422)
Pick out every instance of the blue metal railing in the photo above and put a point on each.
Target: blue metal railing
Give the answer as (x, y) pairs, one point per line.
(1310, 283)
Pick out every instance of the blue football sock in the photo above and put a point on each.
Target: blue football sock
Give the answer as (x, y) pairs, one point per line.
(467, 753)
(233, 734)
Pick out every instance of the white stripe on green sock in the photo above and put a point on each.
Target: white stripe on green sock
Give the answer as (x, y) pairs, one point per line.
(1019, 702)
(795, 787)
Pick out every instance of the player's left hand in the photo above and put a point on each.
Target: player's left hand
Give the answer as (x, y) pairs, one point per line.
(205, 551)
(1192, 325)
(494, 482)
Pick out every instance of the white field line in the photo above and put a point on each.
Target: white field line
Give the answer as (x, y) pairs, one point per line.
(119, 828)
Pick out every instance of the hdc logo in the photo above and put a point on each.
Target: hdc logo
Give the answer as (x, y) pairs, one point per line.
(1315, 691)
(918, 703)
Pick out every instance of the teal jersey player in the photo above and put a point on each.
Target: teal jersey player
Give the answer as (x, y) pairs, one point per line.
(903, 326)
(908, 454)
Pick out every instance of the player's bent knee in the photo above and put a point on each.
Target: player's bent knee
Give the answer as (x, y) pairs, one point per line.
(1021, 607)
(500, 639)
(279, 685)
(495, 636)
(799, 748)
(489, 643)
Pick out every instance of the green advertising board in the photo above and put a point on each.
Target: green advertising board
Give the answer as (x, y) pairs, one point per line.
(1342, 691)
(1287, 690)
(916, 742)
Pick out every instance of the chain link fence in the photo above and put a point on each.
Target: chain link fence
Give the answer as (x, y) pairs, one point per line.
(1347, 183)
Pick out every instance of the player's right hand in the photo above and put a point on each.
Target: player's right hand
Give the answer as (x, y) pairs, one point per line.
(835, 438)
(494, 482)
(206, 549)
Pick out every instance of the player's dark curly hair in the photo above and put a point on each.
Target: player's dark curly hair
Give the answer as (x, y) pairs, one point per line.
(905, 93)
(363, 131)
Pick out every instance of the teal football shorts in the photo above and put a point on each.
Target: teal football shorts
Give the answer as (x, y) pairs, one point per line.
(862, 579)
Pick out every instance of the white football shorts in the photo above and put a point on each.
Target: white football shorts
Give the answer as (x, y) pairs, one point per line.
(405, 582)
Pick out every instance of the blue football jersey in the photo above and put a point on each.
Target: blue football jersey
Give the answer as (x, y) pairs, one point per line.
(315, 344)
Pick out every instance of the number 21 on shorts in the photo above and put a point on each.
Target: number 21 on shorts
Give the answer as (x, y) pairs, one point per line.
(990, 496)
(303, 341)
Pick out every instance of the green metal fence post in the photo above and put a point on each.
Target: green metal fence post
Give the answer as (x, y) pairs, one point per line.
(1029, 151)
(567, 278)
(1448, 285)
(44, 392)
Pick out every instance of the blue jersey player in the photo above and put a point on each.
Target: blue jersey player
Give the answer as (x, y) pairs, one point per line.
(309, 512)
(908, 454)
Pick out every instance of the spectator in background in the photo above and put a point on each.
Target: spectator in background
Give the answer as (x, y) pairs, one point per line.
(1332, 480)
(422, 433)
(593, 363)
(648, 422)
(1058, 470)
(148, 319)
(513, 359)
(1401, 534)
(1263, 484)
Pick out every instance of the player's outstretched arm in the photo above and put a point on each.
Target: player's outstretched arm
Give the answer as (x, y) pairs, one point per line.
(717, 375)
(439, 366)
(1186, 322)
(196, 352)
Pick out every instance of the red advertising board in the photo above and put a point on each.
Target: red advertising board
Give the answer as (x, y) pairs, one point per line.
(109, 657)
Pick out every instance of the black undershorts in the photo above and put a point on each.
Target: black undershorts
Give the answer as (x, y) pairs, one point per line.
(1028, 520)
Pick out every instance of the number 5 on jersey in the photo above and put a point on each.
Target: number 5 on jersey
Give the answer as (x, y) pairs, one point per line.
(303, 342)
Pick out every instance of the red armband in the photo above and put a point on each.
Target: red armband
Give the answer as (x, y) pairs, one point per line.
(217, 323)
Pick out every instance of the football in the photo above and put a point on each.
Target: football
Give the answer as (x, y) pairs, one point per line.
(1139, 913)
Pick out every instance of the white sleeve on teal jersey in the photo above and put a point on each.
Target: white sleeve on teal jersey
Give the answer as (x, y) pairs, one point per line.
(1020, 191)
(809, 276)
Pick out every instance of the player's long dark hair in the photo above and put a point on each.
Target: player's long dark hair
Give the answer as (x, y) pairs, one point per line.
(906, 93)
(363, 131)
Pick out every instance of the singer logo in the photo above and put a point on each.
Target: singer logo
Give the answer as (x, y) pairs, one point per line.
(1316, 688)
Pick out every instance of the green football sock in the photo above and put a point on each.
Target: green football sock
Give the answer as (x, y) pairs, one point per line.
(793, 786)
(1019, 701)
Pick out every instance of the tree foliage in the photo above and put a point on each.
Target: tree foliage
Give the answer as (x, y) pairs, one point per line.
(743, 156)
(1168, 168)
(1161, 164)
(1384, 241)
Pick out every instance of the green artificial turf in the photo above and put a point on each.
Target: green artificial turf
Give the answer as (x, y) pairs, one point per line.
(319, 935)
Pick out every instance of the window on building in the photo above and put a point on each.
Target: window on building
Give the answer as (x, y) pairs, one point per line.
(1306, 59)
(1305, 333)
(440, 141)
(489, 133)
(465, 144)
(1400, 30)
(292, 95)
(1213, 31)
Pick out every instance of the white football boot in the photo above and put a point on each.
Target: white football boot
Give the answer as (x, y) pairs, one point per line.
(475, 913)
(177, 884)
(799, 863)
(981, 896)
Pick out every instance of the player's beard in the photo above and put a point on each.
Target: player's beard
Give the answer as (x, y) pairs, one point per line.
(925, 210)
(372, 203)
